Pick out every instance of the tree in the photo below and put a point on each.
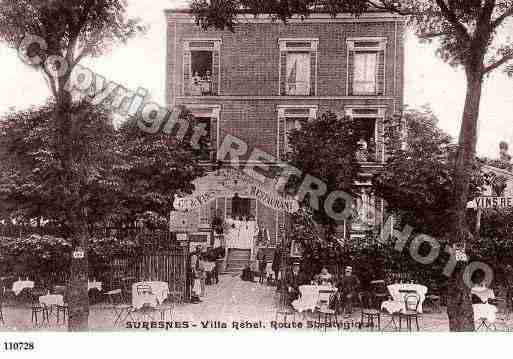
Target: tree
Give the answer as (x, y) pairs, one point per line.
(121, 175)
(469, 34)
(70, 30)
(417, 180)
(325, 149)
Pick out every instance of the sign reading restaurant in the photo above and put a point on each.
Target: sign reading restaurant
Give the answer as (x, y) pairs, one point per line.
(226, 184)
(493, 202)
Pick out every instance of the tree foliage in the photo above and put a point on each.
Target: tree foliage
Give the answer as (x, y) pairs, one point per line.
(122, 175)
(325, 149)
(418, 179)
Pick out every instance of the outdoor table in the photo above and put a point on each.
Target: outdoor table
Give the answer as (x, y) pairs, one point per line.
(94, 285)
(483, 293)
(485, 311)
(310, 296)
(141, 300)
(52, 300)
(19, 285)
(159, 289)
(397, 304)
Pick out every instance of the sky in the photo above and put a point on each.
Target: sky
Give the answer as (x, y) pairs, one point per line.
(141, 63)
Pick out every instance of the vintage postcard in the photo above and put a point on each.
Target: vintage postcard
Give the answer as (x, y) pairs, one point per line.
(312, 165)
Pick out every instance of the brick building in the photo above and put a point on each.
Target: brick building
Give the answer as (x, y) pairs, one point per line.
(262, 80)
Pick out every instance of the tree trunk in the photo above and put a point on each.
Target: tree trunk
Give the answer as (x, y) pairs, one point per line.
(78, 300)
(459, 306)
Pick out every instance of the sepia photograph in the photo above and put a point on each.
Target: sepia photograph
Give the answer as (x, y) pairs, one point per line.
(327, 167)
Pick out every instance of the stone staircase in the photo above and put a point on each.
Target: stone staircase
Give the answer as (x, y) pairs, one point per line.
(237, 259)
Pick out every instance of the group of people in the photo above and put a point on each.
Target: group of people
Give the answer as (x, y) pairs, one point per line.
(203, 271)
(347, 286)
(201, 85)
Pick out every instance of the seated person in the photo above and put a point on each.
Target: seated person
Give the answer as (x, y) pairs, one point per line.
(324, 278)
(247, 274)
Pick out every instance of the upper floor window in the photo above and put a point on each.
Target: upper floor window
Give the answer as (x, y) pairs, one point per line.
(366, 66)
(201, 67)
(298, 66)
(207, 116)
(291, 117)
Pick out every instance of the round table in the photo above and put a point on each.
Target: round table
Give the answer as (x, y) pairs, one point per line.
(310, 296)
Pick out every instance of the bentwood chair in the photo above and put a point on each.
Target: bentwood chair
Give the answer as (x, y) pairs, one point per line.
(38, 308)
(1, 306)
(502, 315)
(328, 309)
(61, 309)
(370, 314)
(284, 309)
(116, 304)
(411, 304)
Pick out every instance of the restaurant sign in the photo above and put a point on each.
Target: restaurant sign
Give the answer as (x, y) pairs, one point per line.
(494, 202)
(226, 185)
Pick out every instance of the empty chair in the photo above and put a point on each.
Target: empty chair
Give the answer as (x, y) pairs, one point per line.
(116, 304)
(411, 305)
(370, 316)
(38, 308)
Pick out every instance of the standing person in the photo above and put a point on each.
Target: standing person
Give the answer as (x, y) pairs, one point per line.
(202, 274)
(348, 287)
(195, 285)
(294, 280)
(276, 264)
(262, 266)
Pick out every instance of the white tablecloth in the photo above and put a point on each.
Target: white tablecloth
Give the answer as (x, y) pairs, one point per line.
(310, 296)
(485, 311)
(392, 306)
(483, 293)
(94, 285)
(19, 285)
(159, 289)
(140, 300)
(398, 297)
(51, 299)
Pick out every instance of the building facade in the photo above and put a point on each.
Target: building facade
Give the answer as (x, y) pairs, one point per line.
(259, 82)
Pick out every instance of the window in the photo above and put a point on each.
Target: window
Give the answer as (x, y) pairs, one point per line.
(366, 66)
(208, 117)
(291, 117)
(241, 207)
(364, 73)
(201, 67)
(298, 74)
(298, 66)
(291, 124)
(201, 70)
(205, 140)
(369, 132)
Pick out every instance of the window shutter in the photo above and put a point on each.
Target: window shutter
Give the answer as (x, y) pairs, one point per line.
(350, 74)
(380, 73)
(283, 66)
(213, 137)
(313, 67)
(220, 207)
(229, 201)
(281, 136)
(252, 207)
(187, 73)
(380, 130)
(215, 72)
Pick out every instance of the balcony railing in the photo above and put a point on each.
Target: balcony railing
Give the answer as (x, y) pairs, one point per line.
(201, 88)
